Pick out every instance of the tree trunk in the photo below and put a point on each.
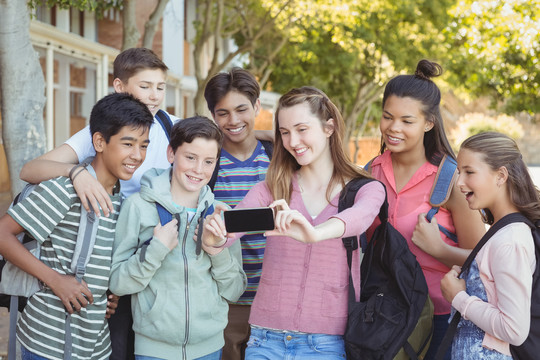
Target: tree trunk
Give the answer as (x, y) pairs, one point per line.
(130, 35)
(150, 27)
(22, 90)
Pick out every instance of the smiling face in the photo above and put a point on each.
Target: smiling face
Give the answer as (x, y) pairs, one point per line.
(480, 184)
(124, 152)
(235, 116)
(193, 165)
(147, 85)
(403, 125)
(303, 135)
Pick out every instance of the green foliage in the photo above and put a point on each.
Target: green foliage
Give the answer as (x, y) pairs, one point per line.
(474, 123)
(346, 46)
(97, 6)
(493, 49)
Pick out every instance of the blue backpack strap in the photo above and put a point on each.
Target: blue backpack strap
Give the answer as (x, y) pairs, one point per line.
(164, 217)
(208, 210)
(165, 122)
(368, 165)
(441, 190)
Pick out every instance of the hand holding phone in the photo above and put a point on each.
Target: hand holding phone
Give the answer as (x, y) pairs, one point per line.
(253, 219)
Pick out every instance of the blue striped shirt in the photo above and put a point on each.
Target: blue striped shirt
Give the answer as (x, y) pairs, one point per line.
(234, 180)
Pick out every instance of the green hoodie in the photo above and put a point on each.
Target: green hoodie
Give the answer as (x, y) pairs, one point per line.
(179, 300)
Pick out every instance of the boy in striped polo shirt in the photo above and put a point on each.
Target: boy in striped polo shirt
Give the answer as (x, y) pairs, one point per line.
(119, 126)
(233, 99)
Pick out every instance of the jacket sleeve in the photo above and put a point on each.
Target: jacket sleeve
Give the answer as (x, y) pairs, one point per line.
(130, 275)
(227, 272)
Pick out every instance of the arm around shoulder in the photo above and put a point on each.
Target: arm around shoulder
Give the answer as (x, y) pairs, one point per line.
(57, 162)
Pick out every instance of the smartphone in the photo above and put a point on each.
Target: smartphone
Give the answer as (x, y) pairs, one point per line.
(254, 219)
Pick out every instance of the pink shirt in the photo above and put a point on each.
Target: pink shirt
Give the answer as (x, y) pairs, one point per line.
(403, 210)
(304, 287)
(506, 264)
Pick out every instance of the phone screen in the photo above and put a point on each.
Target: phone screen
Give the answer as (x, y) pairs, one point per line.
(243, 220)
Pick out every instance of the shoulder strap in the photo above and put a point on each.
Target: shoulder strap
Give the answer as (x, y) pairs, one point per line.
(164, 217)
(86, 238)
(442, 189)
(506, 220)
(268, 148)
(346, 200)
(213, 179)
(367, 167)
(165, 122)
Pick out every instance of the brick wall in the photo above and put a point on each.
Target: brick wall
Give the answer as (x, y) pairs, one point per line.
(110, 31)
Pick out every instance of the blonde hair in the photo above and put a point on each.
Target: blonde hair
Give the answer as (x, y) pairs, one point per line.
(283, 164)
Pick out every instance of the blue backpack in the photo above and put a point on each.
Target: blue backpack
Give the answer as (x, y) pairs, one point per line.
(441, 190)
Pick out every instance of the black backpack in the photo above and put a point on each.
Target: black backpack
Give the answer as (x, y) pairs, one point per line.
(531, 347)
(393, 293)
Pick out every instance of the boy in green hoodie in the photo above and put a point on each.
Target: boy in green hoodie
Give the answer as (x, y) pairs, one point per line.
(179, 294)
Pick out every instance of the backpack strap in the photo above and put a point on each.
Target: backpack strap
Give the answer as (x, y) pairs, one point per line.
(506, 220)
(208, 209)
(442, 189)
(367, 167)
(346, 200)
(86, 238)
(165, 122)
(164, 217)
(268, 148)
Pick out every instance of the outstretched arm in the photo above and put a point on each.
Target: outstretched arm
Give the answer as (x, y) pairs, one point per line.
(60, 162)
(73, 294)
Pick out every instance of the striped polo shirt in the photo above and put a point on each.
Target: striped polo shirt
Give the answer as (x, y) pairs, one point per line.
(234, 180)
(51, 214)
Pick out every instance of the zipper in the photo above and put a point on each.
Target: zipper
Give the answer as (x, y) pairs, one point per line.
(186, 287)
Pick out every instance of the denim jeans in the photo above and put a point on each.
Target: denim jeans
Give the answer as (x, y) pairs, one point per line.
(213, 356)
(268, 344)
(28, 355)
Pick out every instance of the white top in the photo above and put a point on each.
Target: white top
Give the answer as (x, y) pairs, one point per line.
(156, 155)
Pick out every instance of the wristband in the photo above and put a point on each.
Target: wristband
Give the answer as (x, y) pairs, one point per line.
(74, 176)
(81, 165)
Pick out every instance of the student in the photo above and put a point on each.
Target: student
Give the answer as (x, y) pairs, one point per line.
(140, 72)
(413, 144)
(179, 298)
(233, 100)
(301, 305)
(494, 297)
(119, 126)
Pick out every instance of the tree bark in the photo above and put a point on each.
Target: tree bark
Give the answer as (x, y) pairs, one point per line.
(150, 27)
(22, 87)
(130, 35)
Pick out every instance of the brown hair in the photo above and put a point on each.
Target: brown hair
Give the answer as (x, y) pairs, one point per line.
(283, 164)
(187, 130)
(238, 80)
(499, 150)
(129, 62)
